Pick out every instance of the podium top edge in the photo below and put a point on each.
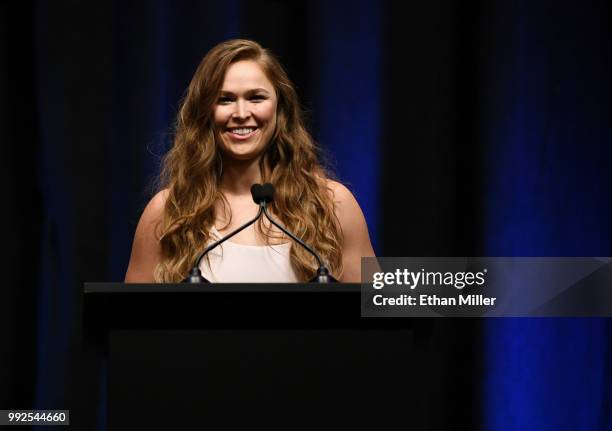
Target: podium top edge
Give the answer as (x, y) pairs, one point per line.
(98, 287)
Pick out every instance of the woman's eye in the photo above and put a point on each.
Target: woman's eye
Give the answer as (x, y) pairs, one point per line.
(224, 100)
(258, 98)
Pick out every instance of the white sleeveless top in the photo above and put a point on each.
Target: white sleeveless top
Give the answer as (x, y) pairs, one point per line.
(238, 263)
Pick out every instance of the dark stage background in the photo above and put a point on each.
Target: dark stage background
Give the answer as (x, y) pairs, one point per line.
(463, 128)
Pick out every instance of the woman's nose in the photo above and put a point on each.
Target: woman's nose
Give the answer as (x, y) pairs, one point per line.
(241, 110)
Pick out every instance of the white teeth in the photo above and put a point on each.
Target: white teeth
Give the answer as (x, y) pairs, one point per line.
(243, 131)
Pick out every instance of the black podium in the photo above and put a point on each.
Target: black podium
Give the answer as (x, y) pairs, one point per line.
(278, 356)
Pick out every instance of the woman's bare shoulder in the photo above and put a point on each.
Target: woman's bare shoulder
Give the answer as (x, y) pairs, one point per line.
(335, 187)
(146, 249)
(342, 196)
(153, 212)
(158, 202)
(347, 208)
(356, 238)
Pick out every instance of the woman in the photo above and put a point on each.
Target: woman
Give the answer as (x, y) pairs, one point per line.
(239, 124)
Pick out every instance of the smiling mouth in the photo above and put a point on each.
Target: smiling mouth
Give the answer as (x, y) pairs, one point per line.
(241, 133)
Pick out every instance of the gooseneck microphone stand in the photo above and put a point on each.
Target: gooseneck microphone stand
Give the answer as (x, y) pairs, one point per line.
(323, 275)
(195, 275)
(262, 195)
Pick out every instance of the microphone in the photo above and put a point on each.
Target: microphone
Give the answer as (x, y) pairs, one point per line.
(260, 198)
(266, 195)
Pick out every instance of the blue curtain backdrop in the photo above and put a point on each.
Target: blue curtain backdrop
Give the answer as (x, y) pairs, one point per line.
(480, 129)
(549, 183)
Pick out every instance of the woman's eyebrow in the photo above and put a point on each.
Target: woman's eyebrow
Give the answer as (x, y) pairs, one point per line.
(258, 90)
(248, 92)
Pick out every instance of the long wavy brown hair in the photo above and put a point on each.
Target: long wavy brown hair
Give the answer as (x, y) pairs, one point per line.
(192, 170)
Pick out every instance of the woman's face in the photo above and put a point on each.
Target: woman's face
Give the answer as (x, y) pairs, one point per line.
(245, 114)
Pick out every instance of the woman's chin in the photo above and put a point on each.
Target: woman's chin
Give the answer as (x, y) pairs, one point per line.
(242, 152)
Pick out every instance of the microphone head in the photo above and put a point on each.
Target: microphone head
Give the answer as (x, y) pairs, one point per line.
(257, 193)
(267, 192)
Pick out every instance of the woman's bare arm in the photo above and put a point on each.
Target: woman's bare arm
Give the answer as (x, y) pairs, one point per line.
(146, 249)
(356, 239)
